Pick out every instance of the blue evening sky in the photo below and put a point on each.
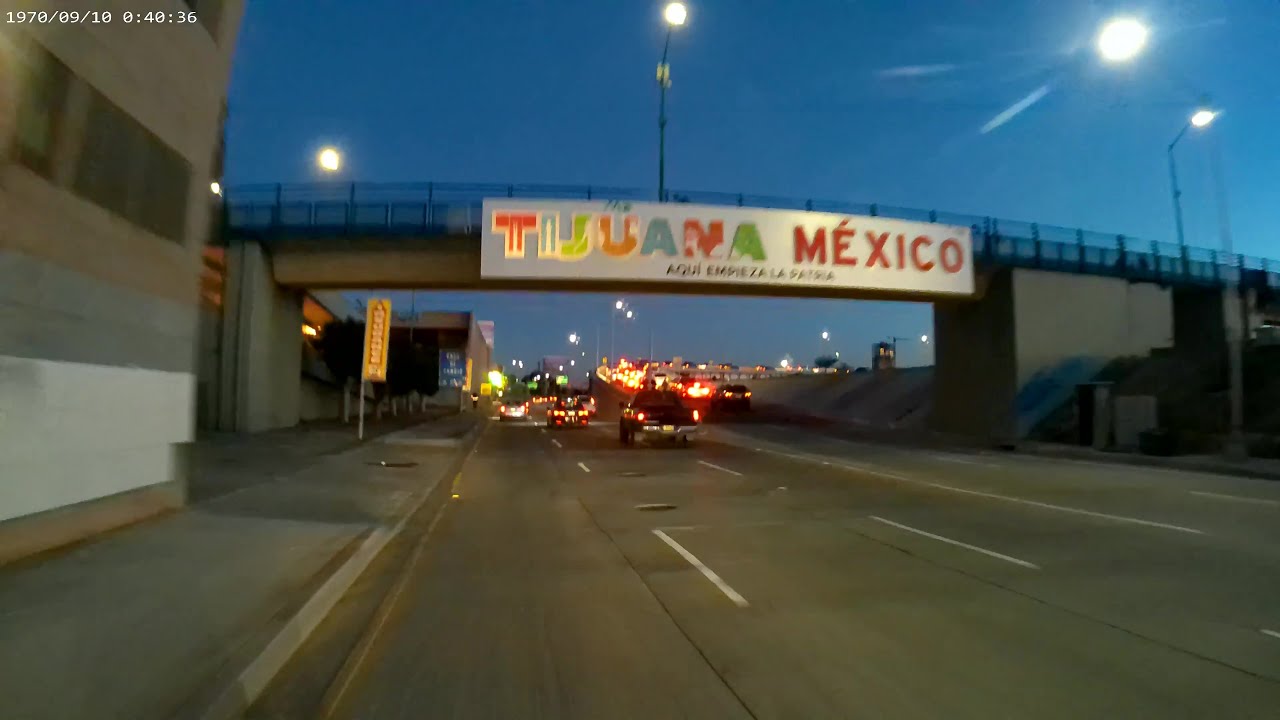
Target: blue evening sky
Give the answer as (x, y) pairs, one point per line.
(896, 103)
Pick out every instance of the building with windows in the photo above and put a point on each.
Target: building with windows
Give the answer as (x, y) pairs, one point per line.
(109, 140)
(883, 356)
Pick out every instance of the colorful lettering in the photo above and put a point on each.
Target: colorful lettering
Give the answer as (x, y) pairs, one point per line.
(578, 246)
(878, 255)
(549, 239)
(515, 225)
(747, 243)
(807, 250)
(659, 238)
(841, 237)
(915, 253)
(951, 247)
(627, 244)
(704, 240)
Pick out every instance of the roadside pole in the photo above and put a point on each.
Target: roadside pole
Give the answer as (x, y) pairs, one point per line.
(360, 424)
(377, 335)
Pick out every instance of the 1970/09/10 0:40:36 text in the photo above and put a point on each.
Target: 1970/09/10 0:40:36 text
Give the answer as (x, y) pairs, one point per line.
(99, 17)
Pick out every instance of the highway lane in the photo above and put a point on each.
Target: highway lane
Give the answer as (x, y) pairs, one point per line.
(781, 587)
(521, 608)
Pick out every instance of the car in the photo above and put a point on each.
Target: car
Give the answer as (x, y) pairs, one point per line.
(567, 412)
(657, 415)
(513, 411)
(731, 398)
(697, 390)
(588, 403)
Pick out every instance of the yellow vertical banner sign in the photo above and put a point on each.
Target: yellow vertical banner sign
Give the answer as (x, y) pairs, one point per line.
(467, 383)
(377, 335)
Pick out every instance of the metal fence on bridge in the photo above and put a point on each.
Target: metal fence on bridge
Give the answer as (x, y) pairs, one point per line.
(426, 209)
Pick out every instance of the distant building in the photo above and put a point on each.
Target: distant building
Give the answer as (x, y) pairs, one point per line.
(882, 356)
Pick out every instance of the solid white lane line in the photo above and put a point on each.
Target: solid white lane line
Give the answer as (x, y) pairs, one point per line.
(1240, 498)
(1006, 498)
(1063, 508)
(721, 469)
(1272, 633)
(959, 460)
(706, 571)
(957, 543)
(584, 467)
(556, 443)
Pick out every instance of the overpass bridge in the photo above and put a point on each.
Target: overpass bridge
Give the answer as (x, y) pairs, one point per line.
(313, 225)
(1041, 307)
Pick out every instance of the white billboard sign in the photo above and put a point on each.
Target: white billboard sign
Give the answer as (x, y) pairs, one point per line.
(683, 243)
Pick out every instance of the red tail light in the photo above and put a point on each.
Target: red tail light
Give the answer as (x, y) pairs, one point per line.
(503, 408)
(640, 416)
(695, 416)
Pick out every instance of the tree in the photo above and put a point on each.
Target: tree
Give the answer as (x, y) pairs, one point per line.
(825, 361)
(341, 346)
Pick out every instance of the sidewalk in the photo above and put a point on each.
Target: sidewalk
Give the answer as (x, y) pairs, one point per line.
(227, 462)
(1260, 468)
(153, 620)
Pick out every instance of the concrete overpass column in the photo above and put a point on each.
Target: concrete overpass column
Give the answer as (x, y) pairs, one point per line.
(1009, 359)
(975, 370)
(260, 375)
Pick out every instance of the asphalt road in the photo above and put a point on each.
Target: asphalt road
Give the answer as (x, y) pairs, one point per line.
(804, 577)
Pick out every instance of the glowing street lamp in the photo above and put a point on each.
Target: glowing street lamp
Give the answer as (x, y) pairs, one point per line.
(573, 338)
(675, 15)
(924, 339)
(215, 187)
(329, 160)
(618, 305)
(1203, 117)
(1122, 39)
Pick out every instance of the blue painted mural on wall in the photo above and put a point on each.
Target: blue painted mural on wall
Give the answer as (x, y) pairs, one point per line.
(1050, 387)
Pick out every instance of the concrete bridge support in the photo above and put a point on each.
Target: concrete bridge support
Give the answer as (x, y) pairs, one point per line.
(1007, 359)
(258, 382)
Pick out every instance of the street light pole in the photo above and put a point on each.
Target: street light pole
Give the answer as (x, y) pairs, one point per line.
(1119, 41)
(1237, 322)
(1177, 193)
(674, 14)
(664, 82)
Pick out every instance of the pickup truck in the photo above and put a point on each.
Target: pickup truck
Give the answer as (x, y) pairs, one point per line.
(657, 415)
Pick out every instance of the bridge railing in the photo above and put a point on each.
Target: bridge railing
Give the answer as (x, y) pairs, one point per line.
(417, 209)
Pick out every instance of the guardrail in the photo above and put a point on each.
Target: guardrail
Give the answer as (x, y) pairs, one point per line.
(428, 209)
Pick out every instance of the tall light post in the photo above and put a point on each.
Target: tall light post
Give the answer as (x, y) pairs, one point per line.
(1236, 310)
(1200, 119)
(674, 14)
(620, 308)
(1121, 40)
